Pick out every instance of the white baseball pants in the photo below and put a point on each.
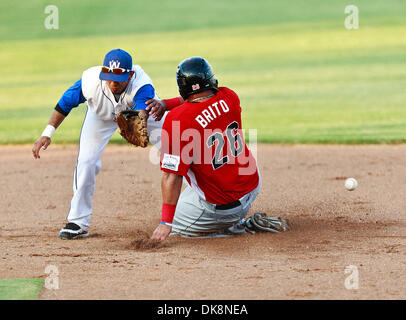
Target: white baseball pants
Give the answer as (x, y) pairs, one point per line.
(195, 217)
(94, 137)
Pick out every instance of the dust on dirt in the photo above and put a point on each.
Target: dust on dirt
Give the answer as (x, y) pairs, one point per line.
(142, 241)
(331, 231)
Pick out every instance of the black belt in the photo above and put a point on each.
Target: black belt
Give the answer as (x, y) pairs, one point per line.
(227, 206)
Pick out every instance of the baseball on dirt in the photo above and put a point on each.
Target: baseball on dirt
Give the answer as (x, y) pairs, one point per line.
(351, 184)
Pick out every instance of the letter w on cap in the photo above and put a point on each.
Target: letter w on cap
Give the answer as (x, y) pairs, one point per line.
(114, 64)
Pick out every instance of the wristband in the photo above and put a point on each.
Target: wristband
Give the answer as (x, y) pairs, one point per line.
(172, 103)
(48, 131)
(166, 223)
(168, 211)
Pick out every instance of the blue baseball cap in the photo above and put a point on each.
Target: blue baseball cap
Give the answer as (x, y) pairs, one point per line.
(117, 58)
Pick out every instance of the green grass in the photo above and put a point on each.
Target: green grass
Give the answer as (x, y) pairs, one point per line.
(301, 76)
(20, 289)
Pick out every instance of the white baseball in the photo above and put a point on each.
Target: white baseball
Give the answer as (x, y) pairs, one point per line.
(351, 184)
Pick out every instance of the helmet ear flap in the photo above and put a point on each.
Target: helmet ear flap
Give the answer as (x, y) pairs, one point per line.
(216, 83)
(182, 86)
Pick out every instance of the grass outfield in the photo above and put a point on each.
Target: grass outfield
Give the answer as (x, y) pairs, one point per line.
(301, 76)
(20, 289)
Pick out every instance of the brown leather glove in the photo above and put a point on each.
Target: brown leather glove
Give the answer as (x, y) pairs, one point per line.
(133, 127)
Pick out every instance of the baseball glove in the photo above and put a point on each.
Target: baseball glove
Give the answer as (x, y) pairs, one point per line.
(133, 126)
(261, 222)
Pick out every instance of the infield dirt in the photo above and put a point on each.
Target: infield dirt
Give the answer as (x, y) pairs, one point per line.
(331, 228)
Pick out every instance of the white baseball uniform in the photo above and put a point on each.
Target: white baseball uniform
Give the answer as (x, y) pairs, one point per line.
(98, 127)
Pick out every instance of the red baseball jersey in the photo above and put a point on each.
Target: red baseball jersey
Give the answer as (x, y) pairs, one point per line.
(203, 142)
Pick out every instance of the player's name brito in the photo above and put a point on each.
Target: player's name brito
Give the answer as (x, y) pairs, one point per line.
(204, 309)
(212, 112)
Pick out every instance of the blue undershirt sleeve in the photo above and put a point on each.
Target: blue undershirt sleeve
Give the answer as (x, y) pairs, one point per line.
(143, 94)
(71, 98)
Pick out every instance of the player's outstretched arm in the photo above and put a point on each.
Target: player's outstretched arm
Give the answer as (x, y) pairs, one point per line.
(171, 185)
(45, 139)
(157, 107)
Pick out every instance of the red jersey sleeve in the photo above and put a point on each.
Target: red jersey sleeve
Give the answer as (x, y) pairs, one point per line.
(175, 157)
(173, 103)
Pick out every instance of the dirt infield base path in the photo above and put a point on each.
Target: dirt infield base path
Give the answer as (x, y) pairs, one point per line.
(332, 228)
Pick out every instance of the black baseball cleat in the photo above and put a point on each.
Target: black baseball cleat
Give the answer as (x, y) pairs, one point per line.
(72, 231)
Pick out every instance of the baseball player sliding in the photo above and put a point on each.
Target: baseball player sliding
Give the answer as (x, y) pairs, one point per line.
(202, 142)
(116, 86)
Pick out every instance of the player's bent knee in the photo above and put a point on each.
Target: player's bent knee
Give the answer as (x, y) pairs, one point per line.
(89, 163)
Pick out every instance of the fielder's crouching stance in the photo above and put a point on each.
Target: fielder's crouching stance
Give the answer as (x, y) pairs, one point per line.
(117, 86)
(202, 142)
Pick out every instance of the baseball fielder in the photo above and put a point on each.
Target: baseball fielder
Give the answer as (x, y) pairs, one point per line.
(202, 142)
(116, 86)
